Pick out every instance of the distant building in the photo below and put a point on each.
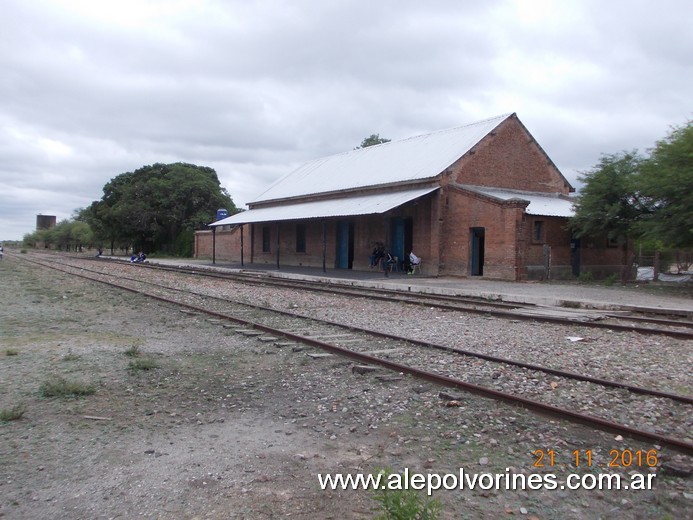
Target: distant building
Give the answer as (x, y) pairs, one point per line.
(45, 222)
(478, 200)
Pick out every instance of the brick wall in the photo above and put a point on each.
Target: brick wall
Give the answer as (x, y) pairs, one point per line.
(510, 158)
(501, 223)
(228, 244)
(595, 254)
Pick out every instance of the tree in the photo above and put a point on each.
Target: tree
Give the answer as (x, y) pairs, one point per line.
(66, 235)
(155, 206)
(372, 140)
(666, 177)
(609, 204)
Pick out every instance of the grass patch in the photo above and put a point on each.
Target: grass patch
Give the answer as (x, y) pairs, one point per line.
(11, 352)
(60, 387)
(585, 277)
(133, 351)
(570, 304)
(12, 414)
(143, 364)
(399, 500)
(610, 280)
(71, 356)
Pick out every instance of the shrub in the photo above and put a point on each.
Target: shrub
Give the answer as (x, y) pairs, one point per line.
(403, 504)
(133, 351)
(57, 386)
(70, 356)
(143, 364)
(610, 280)
(585, 276)
(13, 414)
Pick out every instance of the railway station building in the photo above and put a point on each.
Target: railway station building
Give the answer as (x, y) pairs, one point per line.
(478, 200)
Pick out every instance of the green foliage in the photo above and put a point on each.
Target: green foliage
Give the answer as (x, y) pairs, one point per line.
(372, 140)
(629, 196)
(12, 414)
(610, 280)
(158, 207)
(404, 504)
(133, 351)
(667, 179)
(67, 235)
(71, 356)
(585, 277)
(57, 386)
(608, 204)
(185, 243)
(143, 364)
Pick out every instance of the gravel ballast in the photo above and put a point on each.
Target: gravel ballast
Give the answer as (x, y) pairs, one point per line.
(228, 426)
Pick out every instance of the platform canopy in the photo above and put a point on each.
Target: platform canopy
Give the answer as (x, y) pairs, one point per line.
(339, 207)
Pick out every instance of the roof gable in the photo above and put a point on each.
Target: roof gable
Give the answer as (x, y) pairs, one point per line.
(406, 160)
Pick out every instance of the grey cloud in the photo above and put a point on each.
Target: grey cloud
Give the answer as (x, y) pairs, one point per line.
(253, 89)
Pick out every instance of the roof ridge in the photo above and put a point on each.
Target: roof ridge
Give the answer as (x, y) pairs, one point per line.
(408, 159)
(500, 118)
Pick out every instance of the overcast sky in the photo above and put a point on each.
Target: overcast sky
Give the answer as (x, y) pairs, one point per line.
(91, 89)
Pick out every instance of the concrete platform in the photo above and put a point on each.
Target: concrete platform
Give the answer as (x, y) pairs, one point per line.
(637, 296)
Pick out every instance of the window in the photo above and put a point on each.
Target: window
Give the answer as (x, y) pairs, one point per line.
(265, 239)
(538, 235)
(300, 238)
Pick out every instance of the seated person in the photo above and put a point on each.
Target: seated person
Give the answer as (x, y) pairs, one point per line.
(412, 261)
(376, 255)
(387, 262)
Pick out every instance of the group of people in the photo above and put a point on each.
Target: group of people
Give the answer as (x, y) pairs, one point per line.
(381, 256)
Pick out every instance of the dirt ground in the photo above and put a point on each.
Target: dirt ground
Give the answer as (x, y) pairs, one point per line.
(224, 426)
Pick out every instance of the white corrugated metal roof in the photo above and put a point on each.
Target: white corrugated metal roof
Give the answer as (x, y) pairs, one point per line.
(539, 204)
(347, 206)
(409, 159)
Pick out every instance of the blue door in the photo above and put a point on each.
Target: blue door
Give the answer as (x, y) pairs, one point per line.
(345, 245)
(477, 251)
(397, 246)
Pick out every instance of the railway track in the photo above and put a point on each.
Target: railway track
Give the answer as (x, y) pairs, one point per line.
(517, 383)
(678, 326)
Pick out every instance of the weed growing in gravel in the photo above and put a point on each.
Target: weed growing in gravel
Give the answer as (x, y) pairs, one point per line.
(585, 277)
(610, 280)
(71, 356)
(57, 386)
(11, 352)
(143, 364)
(403, 504)
(133, 351)
(12, 414)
